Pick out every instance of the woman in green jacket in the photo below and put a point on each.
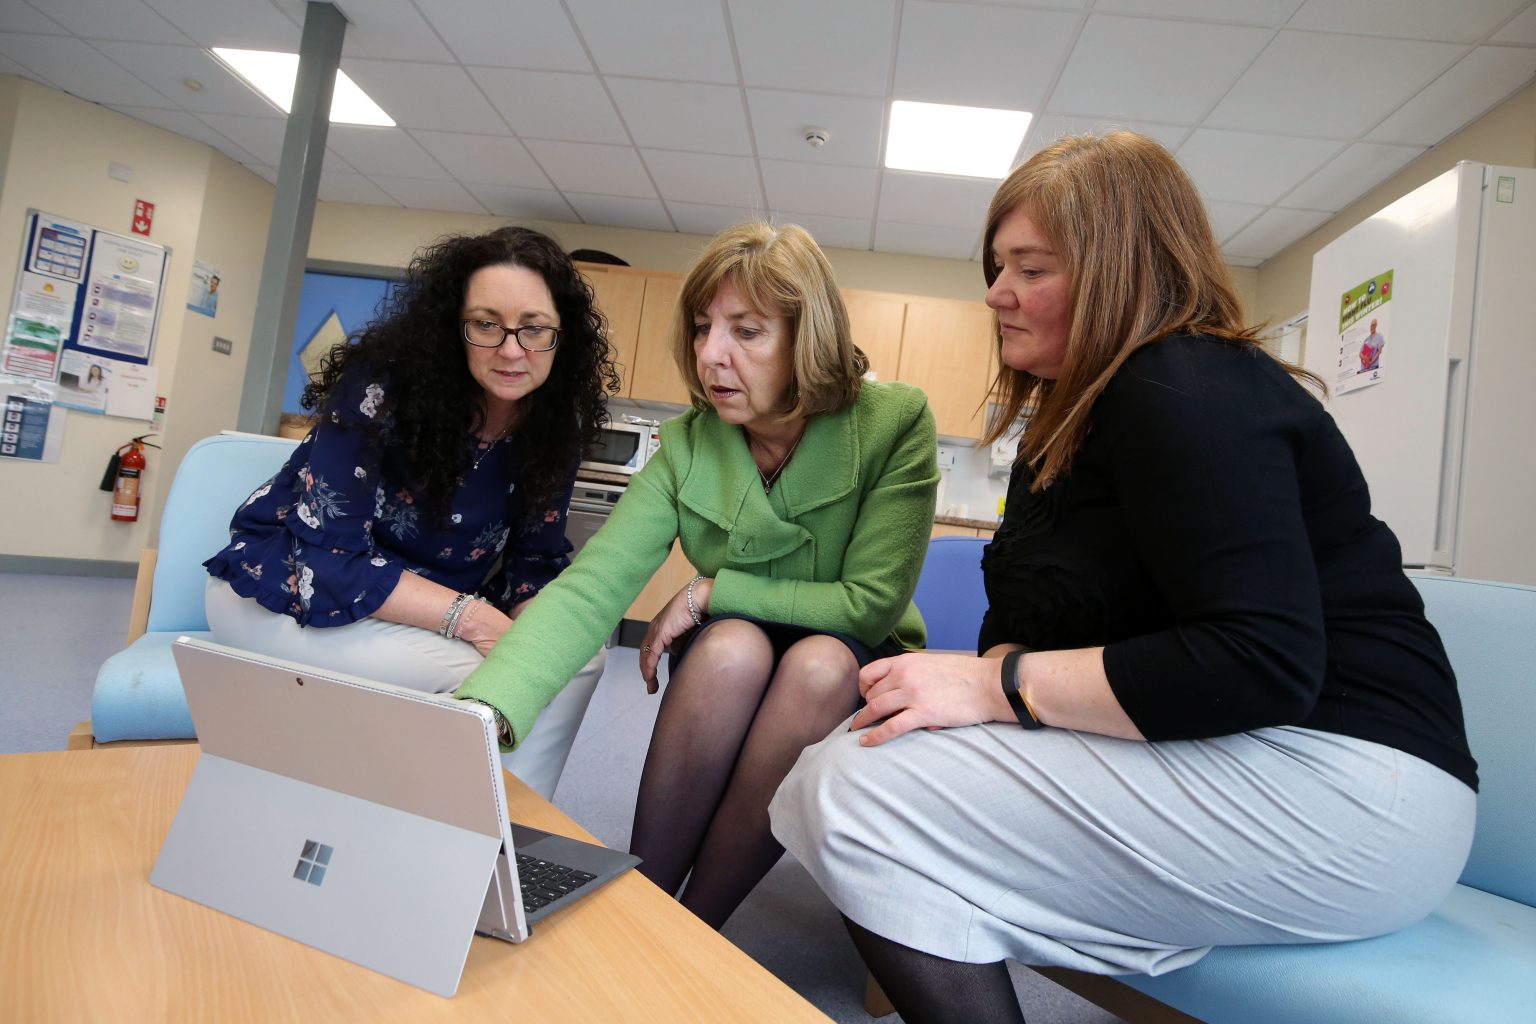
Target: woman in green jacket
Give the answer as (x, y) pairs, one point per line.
(803, 496)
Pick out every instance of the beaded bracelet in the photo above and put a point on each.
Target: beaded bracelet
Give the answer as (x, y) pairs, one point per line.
(463, 615)
(698, 620)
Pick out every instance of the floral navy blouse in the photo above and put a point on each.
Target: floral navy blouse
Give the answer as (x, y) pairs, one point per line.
(326, 539)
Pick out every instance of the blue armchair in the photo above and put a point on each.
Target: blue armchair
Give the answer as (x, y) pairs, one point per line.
(138, 693)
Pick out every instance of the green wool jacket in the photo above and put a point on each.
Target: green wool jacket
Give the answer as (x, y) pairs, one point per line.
(836, 545)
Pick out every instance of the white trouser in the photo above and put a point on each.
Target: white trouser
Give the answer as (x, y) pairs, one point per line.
(404, 656)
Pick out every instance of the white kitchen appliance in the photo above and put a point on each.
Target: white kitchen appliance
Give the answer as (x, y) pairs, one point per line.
(1423, 322)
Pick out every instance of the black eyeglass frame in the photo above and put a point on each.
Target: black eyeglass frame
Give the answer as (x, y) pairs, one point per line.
(514, 332)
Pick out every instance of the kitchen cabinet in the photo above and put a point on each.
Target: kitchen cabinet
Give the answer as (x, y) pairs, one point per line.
(876, 320)
(673, 576)
(946, 349)
(656, 378)
(620, 296)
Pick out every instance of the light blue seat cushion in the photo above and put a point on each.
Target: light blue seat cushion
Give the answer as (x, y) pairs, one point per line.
(1473, 960)
(138, 693)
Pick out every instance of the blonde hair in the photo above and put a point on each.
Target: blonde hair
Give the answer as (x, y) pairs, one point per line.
(778, 272)
(1132, 234)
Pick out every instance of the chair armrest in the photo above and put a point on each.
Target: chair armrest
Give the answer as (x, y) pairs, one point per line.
(143, 584)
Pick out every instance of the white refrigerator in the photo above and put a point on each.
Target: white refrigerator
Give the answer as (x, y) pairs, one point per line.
(1422, 321)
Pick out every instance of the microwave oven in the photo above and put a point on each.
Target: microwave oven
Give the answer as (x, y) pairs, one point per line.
(623, 447)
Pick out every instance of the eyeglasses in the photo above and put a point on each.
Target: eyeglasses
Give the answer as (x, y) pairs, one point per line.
(490, 334)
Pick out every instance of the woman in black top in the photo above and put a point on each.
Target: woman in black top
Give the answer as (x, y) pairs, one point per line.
(1237, 725)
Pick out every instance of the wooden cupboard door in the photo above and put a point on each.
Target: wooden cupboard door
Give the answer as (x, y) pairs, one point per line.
(877, 321)
(656, 378)
(946, 349)
(620, 297)
(673, 576)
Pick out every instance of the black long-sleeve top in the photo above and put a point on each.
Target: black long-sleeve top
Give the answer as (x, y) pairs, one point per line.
(1214, 535)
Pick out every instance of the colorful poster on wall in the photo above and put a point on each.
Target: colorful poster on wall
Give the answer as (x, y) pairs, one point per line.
(203, 295)
(121, 297)
(1364, 325)
(30, 428)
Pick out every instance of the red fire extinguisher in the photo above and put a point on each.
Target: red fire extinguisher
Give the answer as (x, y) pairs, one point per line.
(126, 472)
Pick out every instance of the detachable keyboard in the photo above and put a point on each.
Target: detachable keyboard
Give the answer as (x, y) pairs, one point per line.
(544, 882)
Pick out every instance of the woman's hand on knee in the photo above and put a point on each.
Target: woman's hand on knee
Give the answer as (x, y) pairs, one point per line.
(674, 619)
(928, 691)
(483, 626)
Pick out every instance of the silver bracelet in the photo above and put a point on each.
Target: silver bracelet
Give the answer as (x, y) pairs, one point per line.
(693, 609)
(451, 616)
(463, 615)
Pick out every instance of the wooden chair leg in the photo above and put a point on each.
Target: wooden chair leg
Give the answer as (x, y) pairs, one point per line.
(876, 1003)
(80, 737)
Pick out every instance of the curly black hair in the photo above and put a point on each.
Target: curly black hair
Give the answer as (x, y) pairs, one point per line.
(431, 402)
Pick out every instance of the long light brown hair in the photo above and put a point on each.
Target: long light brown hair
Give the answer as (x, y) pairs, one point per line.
(779, 272)
(1132, 234)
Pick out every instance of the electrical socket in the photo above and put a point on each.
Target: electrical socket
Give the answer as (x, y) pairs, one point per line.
(223, 345)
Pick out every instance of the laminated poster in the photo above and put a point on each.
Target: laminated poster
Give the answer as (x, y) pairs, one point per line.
(1364, 327)
(30, 427)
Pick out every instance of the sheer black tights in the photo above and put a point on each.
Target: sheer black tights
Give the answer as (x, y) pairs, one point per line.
(731, 725)
(927, 989)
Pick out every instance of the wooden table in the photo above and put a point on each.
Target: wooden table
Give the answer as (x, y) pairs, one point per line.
(84, 936)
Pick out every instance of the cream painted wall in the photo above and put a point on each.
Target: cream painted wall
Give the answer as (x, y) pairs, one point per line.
(1505, 135)
(58, 151)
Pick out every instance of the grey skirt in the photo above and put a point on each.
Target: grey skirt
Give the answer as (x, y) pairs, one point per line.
(1076, 850)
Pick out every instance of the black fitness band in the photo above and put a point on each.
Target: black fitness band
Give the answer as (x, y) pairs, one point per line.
(1021, 708)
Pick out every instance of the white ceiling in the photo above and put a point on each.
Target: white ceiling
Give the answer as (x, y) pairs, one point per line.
(685, 115)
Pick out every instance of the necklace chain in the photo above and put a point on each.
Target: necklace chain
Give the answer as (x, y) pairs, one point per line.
(486, 447)
(768, 479)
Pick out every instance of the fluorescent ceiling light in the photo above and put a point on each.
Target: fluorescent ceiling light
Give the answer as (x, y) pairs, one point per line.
(273, 74)
(977, 142)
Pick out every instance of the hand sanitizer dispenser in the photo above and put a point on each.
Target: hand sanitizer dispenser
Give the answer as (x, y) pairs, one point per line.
(1000, 462)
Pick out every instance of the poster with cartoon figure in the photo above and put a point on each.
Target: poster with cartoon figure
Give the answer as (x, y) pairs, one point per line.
(1364, 327)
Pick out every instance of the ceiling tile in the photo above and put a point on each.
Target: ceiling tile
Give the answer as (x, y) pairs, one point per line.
(683, 115)
(24, 18)
(383, 151)
(418, 95)
(79, 69)
(427, 194)
(599, 170)
(813, 188)
(189, 127)
(1268, 13)
(1242, 167)
(1048, 128)
(830, 232)
(117, 19)
(336, 187)
(523, 204)
(1329, 85)
(1167, 71)
(935, 199)
(926, 240)
(682, 39)
(543, 39)
(10, 67)
(166, 67)
(850, 51)
(705, 178)
(262, 137)
(1274, 229)
(553, 105)
(1477, 82)
(621, 212)
(485, 159)
(708, 220)
(235, 23)
(779, 121)
(1522, 29)
(1227, 219)
(956, 53)
(1465, 20)
(1350, 175)
(388, 29)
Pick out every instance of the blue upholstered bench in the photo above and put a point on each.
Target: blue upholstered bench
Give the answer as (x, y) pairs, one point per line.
(1473, 960)
(138, 693)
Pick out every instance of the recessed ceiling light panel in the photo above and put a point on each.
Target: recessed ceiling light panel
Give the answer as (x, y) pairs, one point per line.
(976, 142)
(273, 74)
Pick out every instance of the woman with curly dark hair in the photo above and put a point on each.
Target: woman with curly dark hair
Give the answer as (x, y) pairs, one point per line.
(427, 506)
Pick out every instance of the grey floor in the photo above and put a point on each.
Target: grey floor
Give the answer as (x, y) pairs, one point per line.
(58, 630)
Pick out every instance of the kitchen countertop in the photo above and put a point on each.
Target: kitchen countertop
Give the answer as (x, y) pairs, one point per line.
(975, 524)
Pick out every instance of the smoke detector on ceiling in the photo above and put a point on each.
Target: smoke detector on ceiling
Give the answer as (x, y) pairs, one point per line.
(816, 137)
